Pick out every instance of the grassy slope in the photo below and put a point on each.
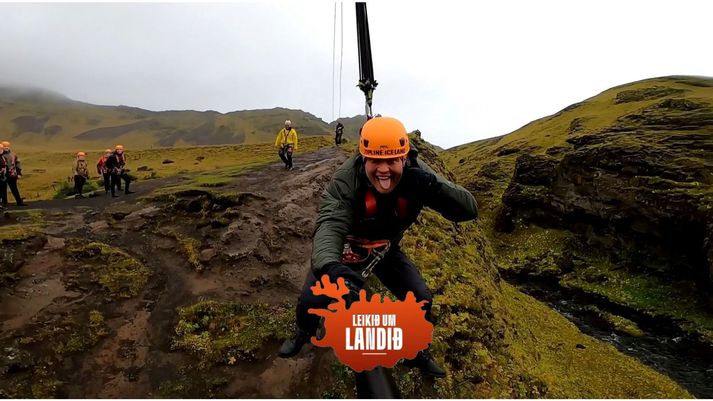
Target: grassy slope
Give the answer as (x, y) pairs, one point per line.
(536, 137)
(60, 123)
(498, 342)
(44, 171)
(488, 174)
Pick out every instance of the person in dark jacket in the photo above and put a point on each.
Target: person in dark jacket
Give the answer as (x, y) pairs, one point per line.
(338, 132)
(3, 179)
(13, 172)
(104, 171)
(116, 164)
(375, 196)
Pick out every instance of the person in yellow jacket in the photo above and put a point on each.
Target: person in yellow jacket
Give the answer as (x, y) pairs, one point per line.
(286, 142)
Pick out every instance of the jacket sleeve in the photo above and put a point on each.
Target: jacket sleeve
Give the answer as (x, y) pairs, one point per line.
(334, 220)
(452, 201)
(18, 165)
(295, 135)
(277, 140)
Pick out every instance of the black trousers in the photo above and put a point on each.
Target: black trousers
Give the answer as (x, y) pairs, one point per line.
(285, 154)
(3, 191)
(79, 184)
(107, 182)
(338, 139)
(395, 271)
(12, 184)
(116, 182)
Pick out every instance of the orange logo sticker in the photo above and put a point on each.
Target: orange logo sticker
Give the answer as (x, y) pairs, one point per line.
(374, 332)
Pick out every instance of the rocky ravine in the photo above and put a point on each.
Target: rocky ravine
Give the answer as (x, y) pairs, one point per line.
(188, 294)
(611, 200)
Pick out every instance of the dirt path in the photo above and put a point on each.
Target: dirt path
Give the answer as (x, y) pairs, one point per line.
(247, 241)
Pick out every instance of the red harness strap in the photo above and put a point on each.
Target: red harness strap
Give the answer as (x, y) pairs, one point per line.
(371, 205)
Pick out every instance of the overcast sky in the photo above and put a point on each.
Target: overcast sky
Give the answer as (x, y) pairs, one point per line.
(458, 71)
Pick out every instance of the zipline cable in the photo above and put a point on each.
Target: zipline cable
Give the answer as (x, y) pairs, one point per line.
(334, 50)
(341, 56)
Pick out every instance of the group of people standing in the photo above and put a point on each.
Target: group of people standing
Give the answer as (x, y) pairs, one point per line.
(111, 166)
(10, 172)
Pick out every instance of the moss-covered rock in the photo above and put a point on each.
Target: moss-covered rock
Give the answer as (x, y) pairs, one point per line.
(629, 179)
(121, 275)
(228, 332)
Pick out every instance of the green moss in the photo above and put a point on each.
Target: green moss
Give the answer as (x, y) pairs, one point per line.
(618, 323)
(18, 232)
(45, 388)
(118, 272)
(547, 345)
(222, 332)
(532, 250)
(191, 384)
(644, 292)
(66, 188)
(211, 181)
(458, 267)
(343, 384)
(189, 247)
(80, 335)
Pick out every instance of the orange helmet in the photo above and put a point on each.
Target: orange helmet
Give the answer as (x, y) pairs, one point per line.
(118, 147)
(107, 150)
(6, 144)
(81, 154)
(383, 138)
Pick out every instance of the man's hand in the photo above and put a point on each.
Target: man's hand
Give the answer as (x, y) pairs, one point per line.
(353, 280)
(418, 182)
(335, 270)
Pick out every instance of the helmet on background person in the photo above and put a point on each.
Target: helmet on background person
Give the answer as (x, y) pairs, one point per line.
(119, 149)
(81, 155)
(288, 123)
(107, 151)
(6, 144)
(383, 138)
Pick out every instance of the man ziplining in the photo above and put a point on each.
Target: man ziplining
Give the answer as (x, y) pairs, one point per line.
(373, 198)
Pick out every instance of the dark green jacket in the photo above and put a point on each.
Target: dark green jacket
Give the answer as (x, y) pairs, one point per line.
(341, 211)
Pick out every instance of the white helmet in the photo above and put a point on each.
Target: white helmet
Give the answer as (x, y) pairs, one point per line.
(288, 123)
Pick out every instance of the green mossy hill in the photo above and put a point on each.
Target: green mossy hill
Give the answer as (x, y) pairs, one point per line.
(488, 346)
(37, 121)
(626, 175)
(227, 332)
(119, 273)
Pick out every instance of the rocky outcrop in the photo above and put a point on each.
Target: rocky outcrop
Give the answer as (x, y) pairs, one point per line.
(646, 182)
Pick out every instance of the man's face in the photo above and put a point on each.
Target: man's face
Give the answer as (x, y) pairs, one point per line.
(287, 127)
(384, 174)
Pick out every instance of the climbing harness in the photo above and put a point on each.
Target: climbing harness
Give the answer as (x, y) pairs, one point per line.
(370, 206)
(376, 250)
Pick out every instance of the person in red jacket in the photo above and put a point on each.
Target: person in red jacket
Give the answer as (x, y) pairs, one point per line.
(103, 170)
